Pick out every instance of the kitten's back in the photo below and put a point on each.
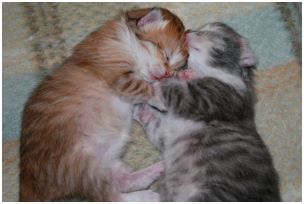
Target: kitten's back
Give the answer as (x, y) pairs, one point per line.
(222, 162)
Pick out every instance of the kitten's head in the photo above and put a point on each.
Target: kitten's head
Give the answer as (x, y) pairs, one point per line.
(217, 46)
(162, 33)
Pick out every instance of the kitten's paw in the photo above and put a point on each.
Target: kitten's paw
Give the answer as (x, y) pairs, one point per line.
(158, 104)
(138, 112)
(151, 196)
(143, 113)
(155, 170)
(141, 179)
(141, 196)
(157, 100)
(186, 74)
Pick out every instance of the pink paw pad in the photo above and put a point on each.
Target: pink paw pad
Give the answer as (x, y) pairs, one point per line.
(186, 74)
(158, 167)
(144, 114)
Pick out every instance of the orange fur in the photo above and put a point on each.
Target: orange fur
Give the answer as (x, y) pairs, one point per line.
(169, 39)
(77, 121)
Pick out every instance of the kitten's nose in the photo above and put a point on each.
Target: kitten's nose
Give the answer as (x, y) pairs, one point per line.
(168, 73)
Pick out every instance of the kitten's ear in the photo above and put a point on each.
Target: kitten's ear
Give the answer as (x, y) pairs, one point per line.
(248, 58)
(153, 16)
(138, 13)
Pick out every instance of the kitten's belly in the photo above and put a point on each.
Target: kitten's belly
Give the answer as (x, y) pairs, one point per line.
(108, 127)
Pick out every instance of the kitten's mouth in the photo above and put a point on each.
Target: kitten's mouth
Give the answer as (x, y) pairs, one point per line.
(163, 76)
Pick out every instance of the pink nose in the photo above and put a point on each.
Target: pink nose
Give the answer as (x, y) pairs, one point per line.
(168, 73)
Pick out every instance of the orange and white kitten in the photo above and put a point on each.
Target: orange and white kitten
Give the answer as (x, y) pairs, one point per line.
(77, 122)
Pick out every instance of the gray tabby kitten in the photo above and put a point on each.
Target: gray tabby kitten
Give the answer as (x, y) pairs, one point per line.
(208, 137)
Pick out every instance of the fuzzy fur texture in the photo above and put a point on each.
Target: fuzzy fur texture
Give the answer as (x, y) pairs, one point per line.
(77, 122)
(210, 144)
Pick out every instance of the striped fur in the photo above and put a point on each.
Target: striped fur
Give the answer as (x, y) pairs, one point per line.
(209, 141)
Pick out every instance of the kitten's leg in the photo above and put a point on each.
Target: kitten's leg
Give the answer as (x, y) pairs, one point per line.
(150, 119)
(137, 180)
(107, 184)
(138, 91)
(156, 101)
(164, 194)
(140, 196)
(144, 114)
(115, 196)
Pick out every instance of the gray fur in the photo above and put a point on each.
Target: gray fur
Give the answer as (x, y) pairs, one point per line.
(208, 136)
